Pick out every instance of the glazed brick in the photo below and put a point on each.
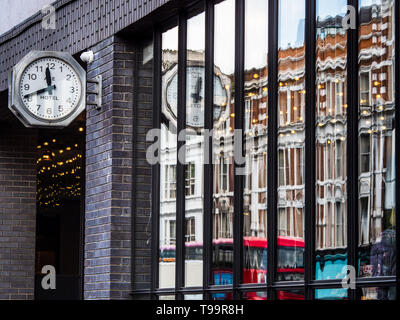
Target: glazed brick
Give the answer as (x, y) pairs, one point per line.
(17, 211)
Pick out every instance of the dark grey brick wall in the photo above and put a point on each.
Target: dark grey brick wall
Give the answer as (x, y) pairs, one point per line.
(143, 110)
(17, 211)
(107, 273)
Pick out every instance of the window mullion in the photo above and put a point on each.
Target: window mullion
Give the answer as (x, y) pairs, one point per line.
(310, 155)
(181, 158)
(397, 138)
(208, 162)
(352, 153)
(238, 178)
(155, 216)
(272, 145)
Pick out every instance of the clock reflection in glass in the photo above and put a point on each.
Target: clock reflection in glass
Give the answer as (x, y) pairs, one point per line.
(50, 88)
(195, 96)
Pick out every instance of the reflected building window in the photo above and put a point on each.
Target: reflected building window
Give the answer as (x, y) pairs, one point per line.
(190, 179)
(190, 234)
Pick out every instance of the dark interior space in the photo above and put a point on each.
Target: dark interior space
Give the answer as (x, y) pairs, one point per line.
(60, 209)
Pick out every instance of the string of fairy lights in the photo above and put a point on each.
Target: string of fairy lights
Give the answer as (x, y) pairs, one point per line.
(59, 171)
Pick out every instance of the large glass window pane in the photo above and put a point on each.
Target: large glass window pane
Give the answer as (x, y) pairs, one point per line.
(254, 295)
(194, 190)
(255, 142)
(170, 297)
(223, 166)
(331, 294)
(222, 296)
(193, 296)
(291, 115)
(295, 294)
(376, 131)
(168, 158)
(330, 142)
(378, 293)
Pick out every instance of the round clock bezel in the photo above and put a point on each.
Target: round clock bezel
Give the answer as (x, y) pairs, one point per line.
(18, 106)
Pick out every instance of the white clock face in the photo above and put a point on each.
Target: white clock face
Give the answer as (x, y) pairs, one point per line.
(50, 88)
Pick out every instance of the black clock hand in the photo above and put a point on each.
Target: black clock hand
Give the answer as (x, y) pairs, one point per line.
(48, 76)
(196, 95)
(48, 80)
(199, 86)
(40, 91)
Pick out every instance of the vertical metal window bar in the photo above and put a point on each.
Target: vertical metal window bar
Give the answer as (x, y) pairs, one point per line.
(181, 156)
(352, 151)
(238, 189)
(155, 210)
(272, 146)
(309, 238)
(208, 125)
(397, 140)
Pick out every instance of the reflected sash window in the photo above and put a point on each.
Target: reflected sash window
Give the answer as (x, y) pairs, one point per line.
(365, 150)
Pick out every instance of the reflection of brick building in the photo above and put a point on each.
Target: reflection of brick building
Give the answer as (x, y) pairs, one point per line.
(376, 129)
(256, 145)
(331, 131)
(376, 125)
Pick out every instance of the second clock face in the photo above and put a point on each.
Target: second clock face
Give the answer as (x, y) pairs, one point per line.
(50, 88)
(195, 84)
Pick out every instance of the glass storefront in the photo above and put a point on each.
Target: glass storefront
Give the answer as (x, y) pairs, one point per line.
(266, 86)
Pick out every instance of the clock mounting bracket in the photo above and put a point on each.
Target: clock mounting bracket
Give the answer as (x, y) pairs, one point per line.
(97, 92)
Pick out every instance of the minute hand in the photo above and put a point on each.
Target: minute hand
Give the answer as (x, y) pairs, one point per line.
(40, 91)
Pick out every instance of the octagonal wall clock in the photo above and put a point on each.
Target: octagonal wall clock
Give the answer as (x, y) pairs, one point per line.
(47, 89)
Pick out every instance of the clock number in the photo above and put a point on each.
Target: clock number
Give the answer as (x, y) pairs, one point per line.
(29, 99)
(26, 86)
(38, 107)
(61, 69)
(69, 100)
(39, 68)
(48, 110)
(72, 90)
(32, 76)
(60, 108)
(51, 66)
(68, 77)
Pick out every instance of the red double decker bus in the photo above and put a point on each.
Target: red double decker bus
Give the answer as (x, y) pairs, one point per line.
(290, 264)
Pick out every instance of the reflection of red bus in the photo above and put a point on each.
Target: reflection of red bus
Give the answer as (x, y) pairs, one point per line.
(290, 264)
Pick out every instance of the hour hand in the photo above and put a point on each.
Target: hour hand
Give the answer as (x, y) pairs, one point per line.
(196, 96)
(48, 76)
(49, 88)
(48, 80)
